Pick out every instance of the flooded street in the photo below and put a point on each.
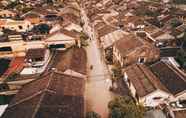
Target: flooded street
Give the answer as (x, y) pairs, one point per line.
(97, 92)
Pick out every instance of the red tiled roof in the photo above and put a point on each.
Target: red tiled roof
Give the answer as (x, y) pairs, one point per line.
(74, 59)
(52, 96)
(35, 53)
(180, 114)
(16, 65)
(170, 77)
(144, 81)
(127, 44)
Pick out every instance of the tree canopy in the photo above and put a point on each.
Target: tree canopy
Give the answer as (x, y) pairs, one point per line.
(41, 28)
(92, 114)
(124, 107)
(179, 1)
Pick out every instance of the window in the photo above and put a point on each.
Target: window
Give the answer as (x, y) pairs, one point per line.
(5, 49)
(141, 60)
(157, 98)
(38, 59)
(57, 46)
(20, 27)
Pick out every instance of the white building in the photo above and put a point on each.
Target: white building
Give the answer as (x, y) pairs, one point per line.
(17, 25)
(159, 84)
(144, 86)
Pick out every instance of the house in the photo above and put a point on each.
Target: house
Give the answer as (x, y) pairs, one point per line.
(157, 36)
(70, 10)
(12, 49)
(9, 74)
(7, 14)
(131, 49)
(32, 17)
(15, 66)
(102, 30)
(4, 65)
(37, 57)
(73, 62)
(62, 39)
(172, 78)
(73, 27)
(169, 51)
(18, 25)
(161, 37)
(145, 87)
(109, 39)
(179, 114)
(67, 26)
(161, 83)
(53, 95)
(12, 35)
(179, 31)
(132, 22)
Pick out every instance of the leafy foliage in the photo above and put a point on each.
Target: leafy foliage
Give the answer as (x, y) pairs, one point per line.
(117, 72)
(12, 77)
(41, 29)
(181, 58)
(124, 107)
(109, 55)
(92, 114)
(179, 1)
(175, 23)
(83, 38)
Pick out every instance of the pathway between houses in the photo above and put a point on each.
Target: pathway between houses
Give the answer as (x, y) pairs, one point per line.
(97, 92)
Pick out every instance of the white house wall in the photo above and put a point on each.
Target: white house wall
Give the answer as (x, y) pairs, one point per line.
(180, 96)
(149, 99)
(14, 25)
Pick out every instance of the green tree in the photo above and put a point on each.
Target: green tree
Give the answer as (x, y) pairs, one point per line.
(179, 1)
(116, 73)
(125, 107)
(92, 114)
(175, 23)
(83, 39)
(42, 28)
(181, 58)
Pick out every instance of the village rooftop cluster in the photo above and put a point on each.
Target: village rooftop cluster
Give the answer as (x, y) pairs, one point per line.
(51, 50)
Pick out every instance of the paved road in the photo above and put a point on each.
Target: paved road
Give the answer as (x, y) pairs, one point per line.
(97, 92)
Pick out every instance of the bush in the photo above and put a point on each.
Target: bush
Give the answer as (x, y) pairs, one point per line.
(92, 114)
(83, 38)
(12, 77)
(124, 107)
(181, 58)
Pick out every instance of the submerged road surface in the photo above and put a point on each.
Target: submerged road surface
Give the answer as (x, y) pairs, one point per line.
(97, 92)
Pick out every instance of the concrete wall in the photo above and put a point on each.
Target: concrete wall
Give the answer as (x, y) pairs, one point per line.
(150, 101)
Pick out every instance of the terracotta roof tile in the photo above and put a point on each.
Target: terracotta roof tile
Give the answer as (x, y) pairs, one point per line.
(53, 95)
(144, 81)
(170, 77)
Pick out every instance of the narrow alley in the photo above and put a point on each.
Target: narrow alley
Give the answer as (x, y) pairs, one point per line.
(97, 92)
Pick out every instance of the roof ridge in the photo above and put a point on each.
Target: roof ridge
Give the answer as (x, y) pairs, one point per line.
(176, 71)
(154, 77)
(27, 98)
(38, 105)
(44, 93)
(39, 92)
(64, 74)
(147, 77)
